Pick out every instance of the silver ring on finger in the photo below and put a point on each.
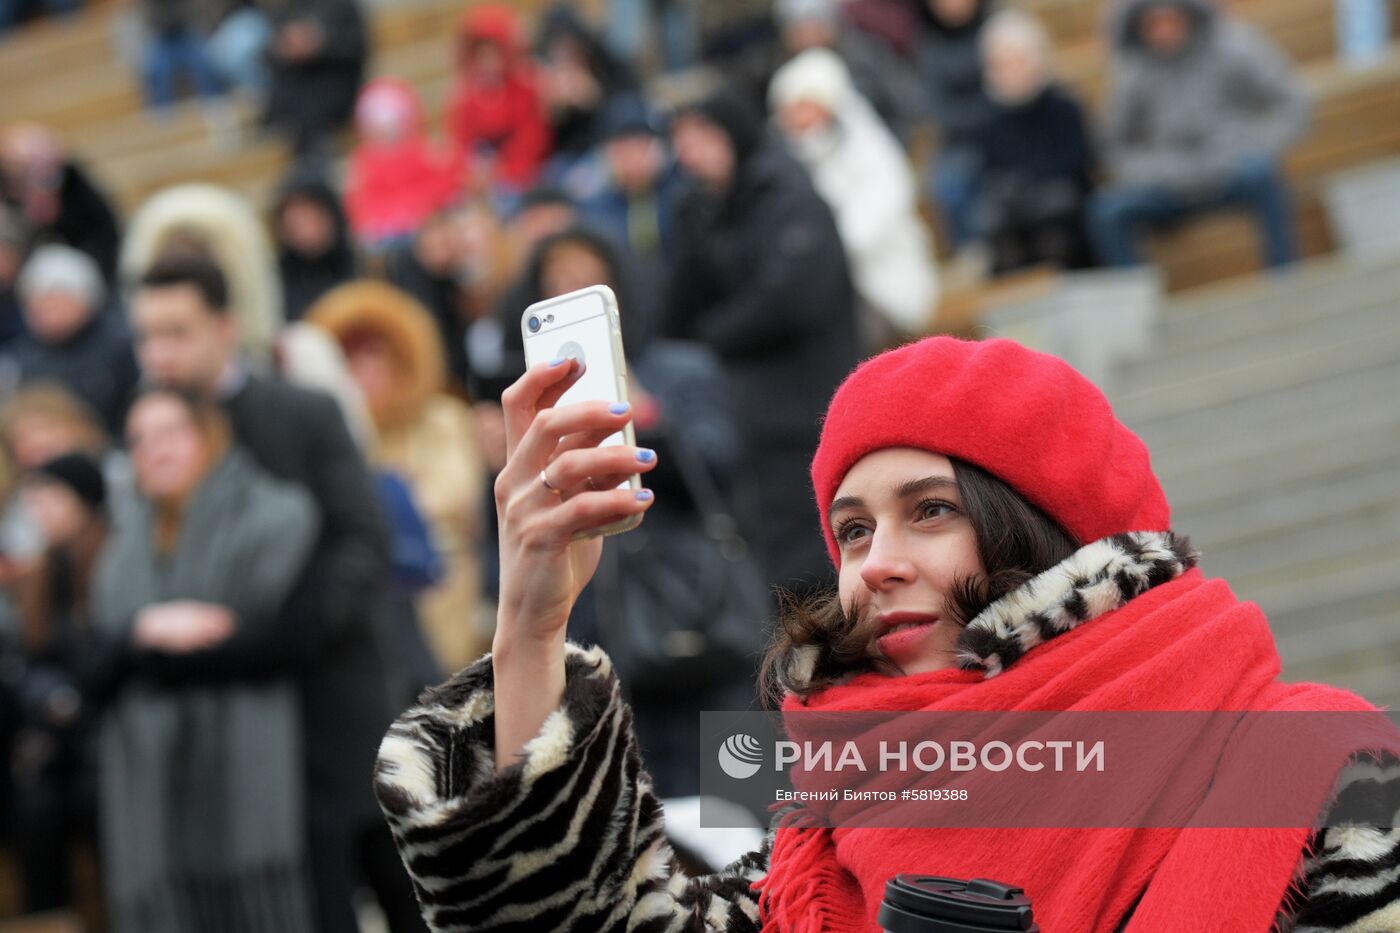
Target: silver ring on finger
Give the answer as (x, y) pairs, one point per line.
(544, 480)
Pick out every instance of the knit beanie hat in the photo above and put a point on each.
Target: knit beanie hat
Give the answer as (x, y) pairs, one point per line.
(790, 12)
(1025, 417)
(81, 474)
(816, 75)
(55, 267)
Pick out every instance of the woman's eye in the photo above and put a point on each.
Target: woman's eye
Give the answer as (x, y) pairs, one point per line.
(849, 531)
(936, 508)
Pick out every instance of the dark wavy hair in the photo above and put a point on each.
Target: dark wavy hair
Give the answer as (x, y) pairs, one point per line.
(1015, 540)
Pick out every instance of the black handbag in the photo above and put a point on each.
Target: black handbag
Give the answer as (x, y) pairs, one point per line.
(683, 604)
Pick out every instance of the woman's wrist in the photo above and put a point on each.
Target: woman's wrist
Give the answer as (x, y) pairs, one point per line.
(514, 649)
(528, 672)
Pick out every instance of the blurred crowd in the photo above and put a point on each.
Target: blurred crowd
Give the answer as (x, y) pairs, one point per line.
(249, 448)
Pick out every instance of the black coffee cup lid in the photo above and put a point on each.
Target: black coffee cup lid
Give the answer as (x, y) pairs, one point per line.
(933, 904)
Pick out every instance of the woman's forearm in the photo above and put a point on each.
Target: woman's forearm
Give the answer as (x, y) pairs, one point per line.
(529, 685)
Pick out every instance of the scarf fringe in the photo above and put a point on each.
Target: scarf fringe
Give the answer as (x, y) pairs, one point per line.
(806, 905)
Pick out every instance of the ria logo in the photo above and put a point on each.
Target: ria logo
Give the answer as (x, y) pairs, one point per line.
(740, 756)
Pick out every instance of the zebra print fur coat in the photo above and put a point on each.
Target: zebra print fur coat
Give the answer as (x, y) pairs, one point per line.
(572, 838)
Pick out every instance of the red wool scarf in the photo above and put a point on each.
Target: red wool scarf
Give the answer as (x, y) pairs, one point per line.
(1185, 645)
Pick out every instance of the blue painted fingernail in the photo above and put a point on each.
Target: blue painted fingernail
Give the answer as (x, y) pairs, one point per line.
(619, 408)
(562, 359)
(646, 456)
(644, 495)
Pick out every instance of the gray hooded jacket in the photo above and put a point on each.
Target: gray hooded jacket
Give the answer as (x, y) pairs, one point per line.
(1186, 121)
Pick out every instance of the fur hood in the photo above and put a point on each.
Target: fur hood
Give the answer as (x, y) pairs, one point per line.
(226, 224)
(368, 307)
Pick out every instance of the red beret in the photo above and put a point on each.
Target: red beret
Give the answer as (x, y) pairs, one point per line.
(1026, 417)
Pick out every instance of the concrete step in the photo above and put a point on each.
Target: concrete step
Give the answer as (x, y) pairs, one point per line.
(1352, 644)
(1310, 447)
(1255, 517)
(1303, 458)
(1330, 355)
(1309, 459)
(1330, 639)
(1377, 688)
(1333, 562)
(1271, 412)
(149, 135)
(1339, 646)
(1354, 399)
(1323, 276)
(1371, 672)
(1260, 334)
(1346, 598)
(1298, 597)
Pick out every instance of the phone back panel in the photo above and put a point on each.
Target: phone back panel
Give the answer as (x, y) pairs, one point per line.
(582, 325)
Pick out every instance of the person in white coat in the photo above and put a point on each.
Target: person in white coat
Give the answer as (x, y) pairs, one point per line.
(860, 169)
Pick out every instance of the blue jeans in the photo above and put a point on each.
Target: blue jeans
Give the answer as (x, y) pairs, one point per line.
(953, 183)
(167, 56)
(237, 49)
(1117, 215)
(1363, 30)
(629, 30)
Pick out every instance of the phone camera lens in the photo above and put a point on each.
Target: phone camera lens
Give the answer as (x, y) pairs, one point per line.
(534, 324)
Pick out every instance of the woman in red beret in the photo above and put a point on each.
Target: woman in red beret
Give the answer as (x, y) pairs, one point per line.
(1002, 545)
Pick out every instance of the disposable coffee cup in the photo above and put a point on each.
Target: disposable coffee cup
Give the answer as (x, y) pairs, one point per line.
(931, 904)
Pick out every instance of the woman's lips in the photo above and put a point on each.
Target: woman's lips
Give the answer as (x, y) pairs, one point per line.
(903, 631)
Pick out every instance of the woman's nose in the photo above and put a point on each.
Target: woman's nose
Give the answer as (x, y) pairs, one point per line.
(886, 563)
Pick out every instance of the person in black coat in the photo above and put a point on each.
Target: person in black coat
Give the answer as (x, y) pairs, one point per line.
(46, 653)
(582, 76)
(950, 66)
(761, 277)
(1034, 157)
(318, 52)
(70, 338)
(57, 199)
(314, 253)
(186, 339)
(14, 248)
(428, 267)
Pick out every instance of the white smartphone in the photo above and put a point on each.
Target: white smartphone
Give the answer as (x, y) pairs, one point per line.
(585, 325)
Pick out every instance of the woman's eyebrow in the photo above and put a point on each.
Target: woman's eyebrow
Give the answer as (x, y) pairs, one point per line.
(915, 486)
(845, 502)
(903, 491)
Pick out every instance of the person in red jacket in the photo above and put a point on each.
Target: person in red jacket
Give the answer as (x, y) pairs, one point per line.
(495, 117)
(398, 176)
